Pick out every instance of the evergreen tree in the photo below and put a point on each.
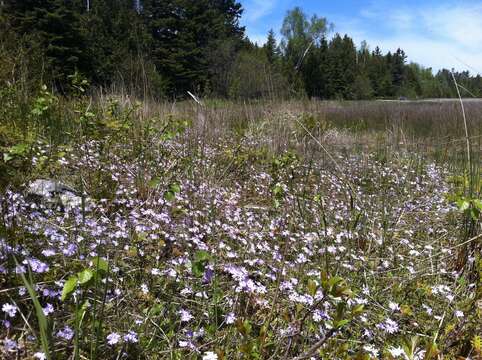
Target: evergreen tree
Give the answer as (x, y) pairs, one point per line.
(341, 67)
(183, 32)
(55, 24)
(271, 48)
(398, 69)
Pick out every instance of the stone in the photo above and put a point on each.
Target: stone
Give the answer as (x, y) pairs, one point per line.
(53, 193)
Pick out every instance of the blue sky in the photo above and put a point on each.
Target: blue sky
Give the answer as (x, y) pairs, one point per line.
(442, 33)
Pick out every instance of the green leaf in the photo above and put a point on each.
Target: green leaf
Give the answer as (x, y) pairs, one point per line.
(202, 255)
(198, 268)
(154, 182)
(69, 287)
(100, 264)
(341, 323)
(175, 188)
(357, 310)
(463, 205)
(45, 334)
(85, 276)
(477, 203)
(169, 196)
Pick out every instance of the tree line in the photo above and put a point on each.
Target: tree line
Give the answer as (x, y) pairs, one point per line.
(164, 48)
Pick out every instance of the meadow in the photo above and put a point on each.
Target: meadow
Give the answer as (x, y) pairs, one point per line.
(300, 229)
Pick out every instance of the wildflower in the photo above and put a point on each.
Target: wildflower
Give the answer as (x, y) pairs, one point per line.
(40, 356)
(389, 326)
(66, 333)
(427, 309)
(371, 350)
(9, 344)
(6, 324)
(185, 315)
(459, 314)
(319, 315)
(113, 338)
(155, 272)
(20, 269)
(396, 352)
(36, 265)
(187, 344)
(48, 252)
(208, 275)
(49, 309)
(131, 337)
(209, 355)
(144, 289)
(394, 306)
(10, 309)
(230, 318)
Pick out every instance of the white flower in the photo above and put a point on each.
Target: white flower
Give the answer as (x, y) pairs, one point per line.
(459, 314)
(209, 355)
(394, 306)
(371, 349)
(185, 315)
(40, 356)
(113, 338)
(10, 309)
(396, 352)
(230, 318)
(144, 289)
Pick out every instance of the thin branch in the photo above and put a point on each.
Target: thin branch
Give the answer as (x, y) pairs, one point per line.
(312, 351)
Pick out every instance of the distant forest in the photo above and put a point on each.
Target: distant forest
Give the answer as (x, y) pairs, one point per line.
(164, 48)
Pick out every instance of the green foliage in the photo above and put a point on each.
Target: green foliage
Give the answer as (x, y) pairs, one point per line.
(201, 259)
(84, 278)
(44, 328)
(44, 103)
(170, 47)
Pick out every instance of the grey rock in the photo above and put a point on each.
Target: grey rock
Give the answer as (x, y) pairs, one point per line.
(53, 193)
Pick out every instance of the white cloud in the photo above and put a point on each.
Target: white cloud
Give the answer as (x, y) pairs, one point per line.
(257, 9)
(460, 24)
(444, 36)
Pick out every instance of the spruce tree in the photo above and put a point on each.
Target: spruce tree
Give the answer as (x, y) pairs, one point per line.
(271, 48)
(55, 25)
(183, 33)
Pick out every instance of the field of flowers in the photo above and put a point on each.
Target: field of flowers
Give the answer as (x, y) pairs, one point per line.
(277, 239)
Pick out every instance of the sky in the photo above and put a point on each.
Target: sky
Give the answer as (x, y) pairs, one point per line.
(434, 33)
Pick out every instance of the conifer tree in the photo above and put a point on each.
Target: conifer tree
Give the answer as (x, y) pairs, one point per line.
(55, 25)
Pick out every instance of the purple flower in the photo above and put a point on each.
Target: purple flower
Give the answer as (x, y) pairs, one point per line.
(66, 333)
(69, 250)
(389, 326)
(48, 252)
(49, 309)
(10, 345)
(185, 315)
(319, 315)
(113, 338)
(6, 324)
(208, 275)
(36, 265)
(131, 337)
(230, 318)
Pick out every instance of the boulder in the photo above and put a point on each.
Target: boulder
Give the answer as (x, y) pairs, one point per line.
(53, 193)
